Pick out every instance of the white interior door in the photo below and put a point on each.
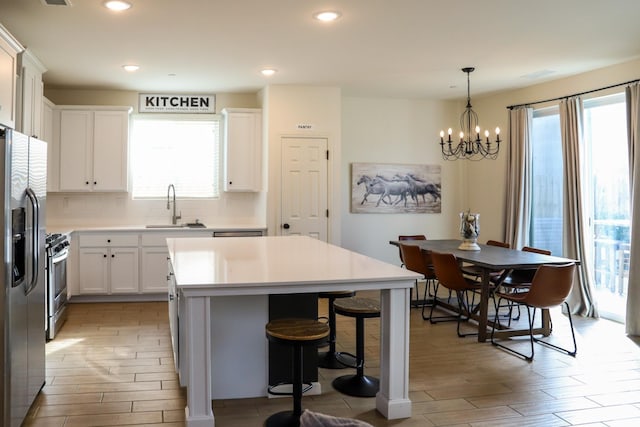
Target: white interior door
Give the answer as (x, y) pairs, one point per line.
(304, 187)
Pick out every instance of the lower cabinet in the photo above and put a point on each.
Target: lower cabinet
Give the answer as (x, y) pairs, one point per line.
(108, 270)
(173, 314)
(130, 262)
(154, 269)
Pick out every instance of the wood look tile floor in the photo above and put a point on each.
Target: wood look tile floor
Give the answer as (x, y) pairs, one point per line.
(112, 364)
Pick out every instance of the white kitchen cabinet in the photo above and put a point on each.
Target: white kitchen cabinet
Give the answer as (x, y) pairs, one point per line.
(154, 269)
(242, 149)
(108, 264)
(30, 95)
(93, 148)
(9, 50)
(173, 299)
(154, 256)
(50, 134)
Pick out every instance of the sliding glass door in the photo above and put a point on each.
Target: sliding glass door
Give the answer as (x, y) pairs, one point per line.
(607, 167)
(606, 193)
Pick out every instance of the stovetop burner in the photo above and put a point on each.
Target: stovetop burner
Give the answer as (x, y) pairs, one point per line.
(55, 239)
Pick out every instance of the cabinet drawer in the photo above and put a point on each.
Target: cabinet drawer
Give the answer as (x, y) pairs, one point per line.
(103, 240)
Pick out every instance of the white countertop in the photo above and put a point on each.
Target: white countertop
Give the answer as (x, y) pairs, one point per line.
(137, 228)
(271, 264)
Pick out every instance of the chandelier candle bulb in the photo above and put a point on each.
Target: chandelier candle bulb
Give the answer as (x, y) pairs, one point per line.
(441, 137)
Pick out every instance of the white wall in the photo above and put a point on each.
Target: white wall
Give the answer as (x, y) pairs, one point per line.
(404, 132)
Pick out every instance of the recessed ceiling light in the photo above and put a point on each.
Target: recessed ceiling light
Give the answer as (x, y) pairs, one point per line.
(117, 5)
(268, 72)
(327, 16)
(131, 68)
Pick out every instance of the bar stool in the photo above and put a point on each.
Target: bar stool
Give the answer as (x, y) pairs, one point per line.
(296, 333)
(359, 385)
(328, 359)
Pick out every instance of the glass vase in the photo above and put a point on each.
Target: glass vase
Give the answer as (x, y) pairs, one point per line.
(469, 231)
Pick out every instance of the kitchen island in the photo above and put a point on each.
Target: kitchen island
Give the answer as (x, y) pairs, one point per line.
(206, 271)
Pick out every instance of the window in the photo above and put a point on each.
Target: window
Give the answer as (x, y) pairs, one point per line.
(180, 151)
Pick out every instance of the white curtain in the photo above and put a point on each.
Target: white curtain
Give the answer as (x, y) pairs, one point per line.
(518, 177)
(633, 133)
(575, 220)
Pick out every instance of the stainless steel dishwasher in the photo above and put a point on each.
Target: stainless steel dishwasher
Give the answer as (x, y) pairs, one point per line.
(239, 233)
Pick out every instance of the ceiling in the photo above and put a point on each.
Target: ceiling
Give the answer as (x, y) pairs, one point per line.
(382, 48)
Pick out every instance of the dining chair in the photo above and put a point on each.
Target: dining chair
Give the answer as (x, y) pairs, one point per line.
(517, 280)
(414, 302)
(549, 288)
(414, 260)
(402, 238)
(450, 276)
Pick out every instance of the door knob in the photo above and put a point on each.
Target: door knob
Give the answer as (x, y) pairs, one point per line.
(285, 226)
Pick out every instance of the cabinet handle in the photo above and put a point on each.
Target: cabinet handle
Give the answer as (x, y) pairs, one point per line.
(108, 240)
(95, 182)
(170, 297)
(230, 182)
(86, 182)
(104, 256)
(113, 256)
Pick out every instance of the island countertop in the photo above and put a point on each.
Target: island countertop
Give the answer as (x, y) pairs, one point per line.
(262, 265)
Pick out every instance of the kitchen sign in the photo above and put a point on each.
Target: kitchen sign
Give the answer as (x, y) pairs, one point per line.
(174, 103)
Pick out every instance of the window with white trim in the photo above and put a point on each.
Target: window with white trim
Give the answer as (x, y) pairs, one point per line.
(183, 151)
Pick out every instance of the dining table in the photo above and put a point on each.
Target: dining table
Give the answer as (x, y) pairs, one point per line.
(489, 259)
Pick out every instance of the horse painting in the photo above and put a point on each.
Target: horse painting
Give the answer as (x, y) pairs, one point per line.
(400, 188)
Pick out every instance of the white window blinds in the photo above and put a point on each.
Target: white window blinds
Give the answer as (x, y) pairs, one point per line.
(183, 152)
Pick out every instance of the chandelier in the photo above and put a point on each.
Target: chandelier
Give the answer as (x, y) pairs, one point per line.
(470, 146)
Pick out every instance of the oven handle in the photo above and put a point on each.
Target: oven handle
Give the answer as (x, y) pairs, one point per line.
(59, 256)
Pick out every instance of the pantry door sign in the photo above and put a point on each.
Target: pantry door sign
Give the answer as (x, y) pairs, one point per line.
(176, 103)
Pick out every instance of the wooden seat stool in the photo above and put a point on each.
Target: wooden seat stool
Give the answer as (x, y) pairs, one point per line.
(359, 384)
(328, 359)
(296, 333)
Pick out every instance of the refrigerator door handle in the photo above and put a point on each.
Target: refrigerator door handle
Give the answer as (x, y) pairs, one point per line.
(35, 239)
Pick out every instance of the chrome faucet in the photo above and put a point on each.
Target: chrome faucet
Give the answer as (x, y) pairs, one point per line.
(174, 217)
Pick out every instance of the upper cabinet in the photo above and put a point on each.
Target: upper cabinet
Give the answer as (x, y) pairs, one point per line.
(242, 149)
(93, 148)
(30, 95)
(51, 134)
(9, 50)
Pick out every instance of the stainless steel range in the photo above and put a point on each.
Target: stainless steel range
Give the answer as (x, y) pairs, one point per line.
(57, 250)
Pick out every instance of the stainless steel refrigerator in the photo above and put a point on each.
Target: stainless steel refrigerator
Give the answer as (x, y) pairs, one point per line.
(23, 186)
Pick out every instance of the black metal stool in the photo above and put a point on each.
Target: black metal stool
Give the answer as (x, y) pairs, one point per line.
(328, 359)
(359, 385)
(296, 333)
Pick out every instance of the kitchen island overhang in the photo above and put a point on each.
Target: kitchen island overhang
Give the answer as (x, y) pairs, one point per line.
(206, 270)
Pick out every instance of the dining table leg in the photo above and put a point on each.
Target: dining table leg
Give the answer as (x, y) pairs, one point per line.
(484, 306)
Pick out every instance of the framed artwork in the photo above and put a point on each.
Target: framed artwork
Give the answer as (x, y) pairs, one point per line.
(395, 188)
